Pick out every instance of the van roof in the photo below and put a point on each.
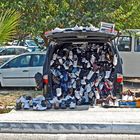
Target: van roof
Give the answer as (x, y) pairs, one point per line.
(131, 32)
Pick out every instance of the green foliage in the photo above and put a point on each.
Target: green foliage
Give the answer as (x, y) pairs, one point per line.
(39, 16)
(127, 16)
(9, 20)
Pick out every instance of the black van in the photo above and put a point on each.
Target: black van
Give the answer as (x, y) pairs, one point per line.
(83, 63)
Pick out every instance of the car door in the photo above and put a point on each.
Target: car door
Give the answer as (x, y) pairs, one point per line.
(36, 66)
(15, 73)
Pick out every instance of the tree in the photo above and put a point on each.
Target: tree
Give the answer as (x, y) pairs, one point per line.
(127, 15)
(9, 20)
(38, 16)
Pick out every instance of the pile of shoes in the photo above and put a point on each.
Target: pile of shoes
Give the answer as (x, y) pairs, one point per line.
(110, 101)
(128, 96)
(129, 100)
(40, 103)
(82, 73)
(27, 102)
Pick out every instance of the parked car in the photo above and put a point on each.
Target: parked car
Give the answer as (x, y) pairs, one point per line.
(40, 41)
(7, 52)
(75, 55)
(27, 43)
(129, 50)
(20, 70)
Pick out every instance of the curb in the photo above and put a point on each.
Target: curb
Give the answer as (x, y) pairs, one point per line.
(70, 128)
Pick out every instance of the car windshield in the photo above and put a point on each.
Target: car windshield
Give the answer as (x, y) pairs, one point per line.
(31, 43)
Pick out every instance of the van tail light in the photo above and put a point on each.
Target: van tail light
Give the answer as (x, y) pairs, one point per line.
(119, 78)
(45, 79)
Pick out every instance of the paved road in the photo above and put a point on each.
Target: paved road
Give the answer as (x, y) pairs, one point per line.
(8, 136)
(92, 121)
(116, 115)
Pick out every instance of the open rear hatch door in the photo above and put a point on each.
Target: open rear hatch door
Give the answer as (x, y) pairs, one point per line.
(70, 35)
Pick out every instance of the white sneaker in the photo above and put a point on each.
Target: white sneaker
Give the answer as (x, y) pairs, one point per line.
(26, 105)
(72, 105)
(40, 107)
(21, 99)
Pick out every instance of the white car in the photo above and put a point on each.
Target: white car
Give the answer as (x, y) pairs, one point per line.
(7, 52)
(20, 70)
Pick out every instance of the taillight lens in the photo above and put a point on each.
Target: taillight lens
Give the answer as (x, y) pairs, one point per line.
(45, 79)
(119, 78)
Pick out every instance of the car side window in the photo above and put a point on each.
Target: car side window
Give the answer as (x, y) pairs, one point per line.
(38, 60)
(22, 61)
(20, 50)
(137, 44)
(10, 51)
(21, 43)
(124, 43)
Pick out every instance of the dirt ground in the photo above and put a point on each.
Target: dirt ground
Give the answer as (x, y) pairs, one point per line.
(8, 96)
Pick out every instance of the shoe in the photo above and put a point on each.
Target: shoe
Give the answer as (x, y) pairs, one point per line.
(21, 99)
(107, 74)
(88, 88)
(56, 105)
(26, 105)
(18, 106)
(97, 94)
(39, 107)
(72, 105)
(115, 60)
(90, 74)
(58, 92)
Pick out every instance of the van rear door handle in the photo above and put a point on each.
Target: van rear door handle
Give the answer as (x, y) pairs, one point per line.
(25, 71)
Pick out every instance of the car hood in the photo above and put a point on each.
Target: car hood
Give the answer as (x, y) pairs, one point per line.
(87, 35)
